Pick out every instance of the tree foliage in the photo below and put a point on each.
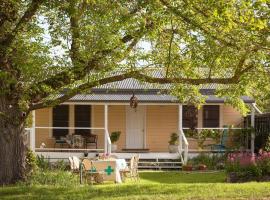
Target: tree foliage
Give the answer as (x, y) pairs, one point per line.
(70, 46)
(47, 46)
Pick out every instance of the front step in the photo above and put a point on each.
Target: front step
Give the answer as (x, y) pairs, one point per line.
(159, 164)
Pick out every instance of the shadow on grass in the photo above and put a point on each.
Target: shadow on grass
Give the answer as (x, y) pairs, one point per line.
(151, 185)
(84, 192)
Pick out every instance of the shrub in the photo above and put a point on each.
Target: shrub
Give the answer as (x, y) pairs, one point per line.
(238, 137)
(190, 133)
(267, 144)
(55, 178)
(173, 139)
(207, 133)
(59, 165)
(247, 166)
(31, 162)
(263, 161)
(43, 163)
(211, 161)
(115, 136)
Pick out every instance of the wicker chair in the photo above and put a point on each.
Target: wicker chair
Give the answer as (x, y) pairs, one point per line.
(77, 141)
(132, 171)
(88, 170)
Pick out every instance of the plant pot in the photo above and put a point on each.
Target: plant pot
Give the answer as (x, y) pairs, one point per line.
(173, 148)
(187, 168)
(202, 167)
(114, 147)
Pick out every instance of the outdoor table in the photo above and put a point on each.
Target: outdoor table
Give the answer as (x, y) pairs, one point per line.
(109, 168)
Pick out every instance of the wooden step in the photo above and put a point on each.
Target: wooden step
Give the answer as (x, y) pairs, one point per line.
(159, 164)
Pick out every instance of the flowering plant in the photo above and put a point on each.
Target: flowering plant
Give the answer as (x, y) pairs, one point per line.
(263, 160)
(249, 165)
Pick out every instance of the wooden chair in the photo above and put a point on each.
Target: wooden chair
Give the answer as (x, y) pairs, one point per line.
(92, 139)
(89, 170)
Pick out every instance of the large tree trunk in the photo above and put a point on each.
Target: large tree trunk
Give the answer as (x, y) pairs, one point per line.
(12, 147)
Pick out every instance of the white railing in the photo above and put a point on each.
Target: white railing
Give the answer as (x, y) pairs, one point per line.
(183, 147)
(222, 129)
(108, 143)
(30, 136)
(218, 128)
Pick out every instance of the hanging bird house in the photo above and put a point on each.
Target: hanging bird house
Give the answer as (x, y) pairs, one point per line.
(133, 102)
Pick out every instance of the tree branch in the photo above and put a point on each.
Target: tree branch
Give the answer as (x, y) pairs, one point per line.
(79, 71)
(137, 75)
(80, 88)
(27, 16)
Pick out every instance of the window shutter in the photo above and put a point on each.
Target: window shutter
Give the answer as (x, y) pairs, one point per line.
(211, 116)
(60, 119)
(82, 119)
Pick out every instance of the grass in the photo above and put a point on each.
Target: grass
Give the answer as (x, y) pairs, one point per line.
(153, 185)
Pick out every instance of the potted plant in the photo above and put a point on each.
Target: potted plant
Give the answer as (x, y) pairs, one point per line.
(188, 166)
(173, 143)
(202, 167)
(203, 135)
(114, 138)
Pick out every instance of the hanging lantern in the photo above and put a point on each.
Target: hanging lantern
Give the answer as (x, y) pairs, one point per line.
(133, 102)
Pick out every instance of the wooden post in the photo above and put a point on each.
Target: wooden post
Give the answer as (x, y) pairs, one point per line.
(180, 126)
(252, 145)
(105, 128)
(33, 132)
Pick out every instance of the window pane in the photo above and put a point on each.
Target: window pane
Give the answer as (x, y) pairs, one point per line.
(211, 116)
(60, 119)
(82, 119)
(190, 117)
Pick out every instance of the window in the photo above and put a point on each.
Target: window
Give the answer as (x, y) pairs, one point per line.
(82, 119)
(190, 117)
(211, 116)
(60, 119)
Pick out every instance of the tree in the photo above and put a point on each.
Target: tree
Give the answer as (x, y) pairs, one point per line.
(67, 47)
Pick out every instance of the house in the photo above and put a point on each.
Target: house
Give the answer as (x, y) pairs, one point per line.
(145, 129)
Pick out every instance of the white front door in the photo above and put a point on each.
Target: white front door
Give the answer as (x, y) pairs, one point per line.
(135, 127)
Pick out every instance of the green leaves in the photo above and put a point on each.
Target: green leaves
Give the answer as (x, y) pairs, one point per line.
(67, 43)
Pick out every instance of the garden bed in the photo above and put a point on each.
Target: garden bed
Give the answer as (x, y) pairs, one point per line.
(245, 167)
(233, 177)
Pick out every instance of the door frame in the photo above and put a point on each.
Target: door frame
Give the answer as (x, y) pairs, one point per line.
(144, 125)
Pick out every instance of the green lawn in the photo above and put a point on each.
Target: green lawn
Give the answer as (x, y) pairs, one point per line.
(153, 185)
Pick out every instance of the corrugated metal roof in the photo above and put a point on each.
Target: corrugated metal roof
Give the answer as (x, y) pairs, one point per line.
(132, 83)
(121, 91)
(152, 98)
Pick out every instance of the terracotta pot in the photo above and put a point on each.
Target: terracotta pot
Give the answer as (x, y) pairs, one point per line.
(187, 167)
(202, 167)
